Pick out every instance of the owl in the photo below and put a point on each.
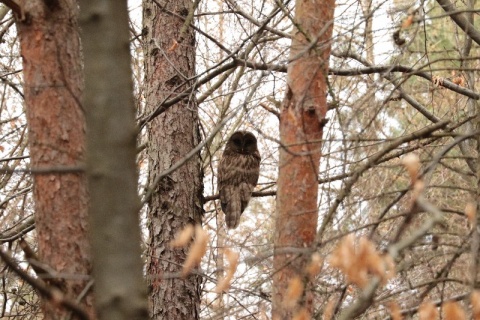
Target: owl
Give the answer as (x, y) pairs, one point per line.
(237, 175)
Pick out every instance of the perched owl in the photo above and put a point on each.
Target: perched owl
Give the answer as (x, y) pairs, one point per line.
(237, 175)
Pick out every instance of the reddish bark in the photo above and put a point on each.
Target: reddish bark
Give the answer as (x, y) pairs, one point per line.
(50, 49)
(301, 123)
(176, 201)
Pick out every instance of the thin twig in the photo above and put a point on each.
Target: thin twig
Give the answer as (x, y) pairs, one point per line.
(54, 295)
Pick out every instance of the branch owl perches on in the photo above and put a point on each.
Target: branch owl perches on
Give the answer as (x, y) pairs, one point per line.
(238, 173)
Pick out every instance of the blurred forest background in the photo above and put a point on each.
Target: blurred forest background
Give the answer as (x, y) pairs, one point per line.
(398, 181)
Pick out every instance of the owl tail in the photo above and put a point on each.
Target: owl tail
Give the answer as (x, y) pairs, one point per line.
(233, 211)
(238, 198)
(232, 221)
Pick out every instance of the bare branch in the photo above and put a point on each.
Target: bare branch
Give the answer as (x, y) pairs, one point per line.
(54, 295)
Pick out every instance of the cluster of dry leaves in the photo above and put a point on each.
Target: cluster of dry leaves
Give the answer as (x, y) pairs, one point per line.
(198, 249)
(357, 259)
(451, 310)
(357, 263)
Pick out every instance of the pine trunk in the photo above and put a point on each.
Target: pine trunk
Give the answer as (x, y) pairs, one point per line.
(301, 125)
(176, 201)
(50, 49)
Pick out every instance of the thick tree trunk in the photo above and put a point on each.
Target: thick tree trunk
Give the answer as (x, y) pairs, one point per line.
(301, 124)
(50, 50)
(176, 201)
(120, 292)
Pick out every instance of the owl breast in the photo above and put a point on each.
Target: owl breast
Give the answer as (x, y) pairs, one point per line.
(243, 168)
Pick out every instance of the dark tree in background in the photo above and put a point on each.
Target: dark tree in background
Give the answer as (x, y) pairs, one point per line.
(169, 51)
(120, 292)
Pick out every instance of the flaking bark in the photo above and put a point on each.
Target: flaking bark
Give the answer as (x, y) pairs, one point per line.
(176, 201)
(301, 125)
(50, 49)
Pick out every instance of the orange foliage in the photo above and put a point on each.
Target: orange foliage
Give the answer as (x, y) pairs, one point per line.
(315, 265)
(232, 258)
(471, 212)
(407, 22)
(475, 300)
(302, 314)
(358, 263)
(453, 311)
(294, 291)
(197, 250)
(329, 309)
(183, 237)
(428, 311)
(395, 312)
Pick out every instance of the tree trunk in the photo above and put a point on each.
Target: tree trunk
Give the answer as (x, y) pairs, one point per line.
(176, 200)
(50, 50)
(301, 124)
(111, 168)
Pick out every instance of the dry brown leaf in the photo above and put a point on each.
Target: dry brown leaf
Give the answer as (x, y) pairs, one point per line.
(427, 311)
(395, 311)
(294, 291)
(453, 311)
(390, 270)
(344, 253)
(329, 308)
(302, 314)
(356, 265)
(471, 212)
(412, 164)
(183, 237)
(224, 283)
(173, 46)
(475, 300)
(371, 258)
(459, 81)
(346, 259)
(418, 188)
(407, 22)
(197, 250)
(315, 265)
(437, 81)
(56, 296)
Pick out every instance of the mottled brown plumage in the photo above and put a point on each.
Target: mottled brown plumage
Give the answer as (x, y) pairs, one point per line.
(238, 173)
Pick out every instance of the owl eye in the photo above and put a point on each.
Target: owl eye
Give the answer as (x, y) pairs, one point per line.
(249, 142)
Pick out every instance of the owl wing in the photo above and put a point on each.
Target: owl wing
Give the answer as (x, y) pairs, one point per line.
(230, 196)
(245, 189)
(237, 177)
(252, 171)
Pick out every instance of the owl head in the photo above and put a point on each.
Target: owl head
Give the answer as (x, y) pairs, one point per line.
(243, 142)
